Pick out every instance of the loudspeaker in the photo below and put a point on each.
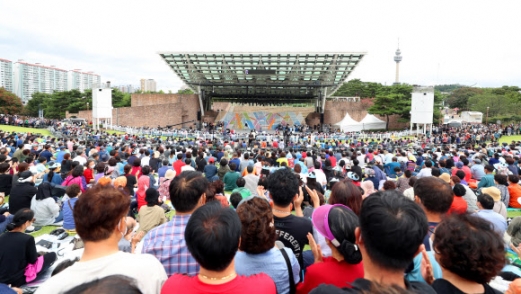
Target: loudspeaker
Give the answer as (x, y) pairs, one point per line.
(321, 118)
(199, 115)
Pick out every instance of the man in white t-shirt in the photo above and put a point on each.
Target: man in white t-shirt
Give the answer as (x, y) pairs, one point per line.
(80, 158)
(101, 232)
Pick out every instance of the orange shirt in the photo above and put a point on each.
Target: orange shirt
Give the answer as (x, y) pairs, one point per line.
(515, 192)
(459, 205)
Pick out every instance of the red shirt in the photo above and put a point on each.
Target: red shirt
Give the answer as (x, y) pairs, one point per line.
(256, 284)
(275, 144)
(459, 205)
(332, 272)
(136, 171)
(332, 159)
(468, 173)
(178, 164)
(87, 173)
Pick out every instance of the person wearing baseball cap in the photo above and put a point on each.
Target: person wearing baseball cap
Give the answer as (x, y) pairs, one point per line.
(499, 206)
(337, 223)
(210, 170)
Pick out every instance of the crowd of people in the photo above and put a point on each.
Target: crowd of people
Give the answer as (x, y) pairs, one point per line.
(319, 214)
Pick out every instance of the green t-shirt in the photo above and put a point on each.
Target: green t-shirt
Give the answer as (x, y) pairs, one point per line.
(243, 191)
(230, 179)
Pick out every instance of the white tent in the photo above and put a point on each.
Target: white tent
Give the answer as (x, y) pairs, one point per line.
(349, 125)
(371, 122)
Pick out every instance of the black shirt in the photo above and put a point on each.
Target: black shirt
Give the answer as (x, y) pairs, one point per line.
(292, 231)
(131, 182)
(446, 287)
(16, 251)
(21, 195)
(360, 285)
(6, 180)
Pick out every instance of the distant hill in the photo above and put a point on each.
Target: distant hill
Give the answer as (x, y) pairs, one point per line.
(447, 88)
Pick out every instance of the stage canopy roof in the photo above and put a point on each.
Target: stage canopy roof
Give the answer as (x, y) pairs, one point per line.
(243, 77)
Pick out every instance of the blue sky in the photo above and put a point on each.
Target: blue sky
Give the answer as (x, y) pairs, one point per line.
(467, 42)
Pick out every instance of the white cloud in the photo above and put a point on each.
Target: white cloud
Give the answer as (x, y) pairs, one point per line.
(442, 41)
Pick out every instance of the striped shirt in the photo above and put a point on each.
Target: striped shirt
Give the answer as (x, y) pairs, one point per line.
(167, 243)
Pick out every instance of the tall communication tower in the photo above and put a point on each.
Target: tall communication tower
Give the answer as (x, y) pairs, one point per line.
(397, 59)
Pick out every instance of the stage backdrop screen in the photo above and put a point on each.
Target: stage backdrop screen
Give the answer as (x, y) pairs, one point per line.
(422, 105)
(102, 103)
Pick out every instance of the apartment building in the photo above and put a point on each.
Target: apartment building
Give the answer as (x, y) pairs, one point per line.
(6, 74)
(30, 78)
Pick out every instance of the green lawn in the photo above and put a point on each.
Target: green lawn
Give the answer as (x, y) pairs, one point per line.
(509, 139)
(44, 132)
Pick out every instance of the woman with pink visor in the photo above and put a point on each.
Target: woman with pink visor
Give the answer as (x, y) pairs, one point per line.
(337, 224)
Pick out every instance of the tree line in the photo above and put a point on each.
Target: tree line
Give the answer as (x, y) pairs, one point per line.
(388, 100)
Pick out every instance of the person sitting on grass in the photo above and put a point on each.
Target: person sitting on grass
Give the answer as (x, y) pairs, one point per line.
(230, 178)
(151, 215)
(167, 241)
(18, 250)
(241, 189)
(73, 192)
(212, 235)
(101, 233)
(46, 210)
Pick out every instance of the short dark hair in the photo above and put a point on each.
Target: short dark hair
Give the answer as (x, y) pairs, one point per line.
(486, 201)
(212, 236)
(77, 171)
(145, 170)
(459, 190)
(127, 168)
(235, 198)
(240, 182)
(186, 190)
(469, 247)
(258, 232)
(346, 193)
(435, 172)
(108, 284)
(489, 167)
(100, 167)
(223, 162)
(233, 166)
(501, 179)
(152, 197)
(513, 179)
(461, 174)
(283, 186)
(93, 223)
(73, 190)
(435, 194)
(428, 163)
(392, 228)
(389, 185)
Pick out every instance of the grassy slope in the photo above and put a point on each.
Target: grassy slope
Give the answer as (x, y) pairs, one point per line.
(44, 132)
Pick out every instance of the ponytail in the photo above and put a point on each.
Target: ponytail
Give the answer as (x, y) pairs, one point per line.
(350, 252)
(21, 217)
(50, 175)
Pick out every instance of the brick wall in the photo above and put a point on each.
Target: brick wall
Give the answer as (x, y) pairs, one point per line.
(167, 109)
(156, 99)
(182, 108)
